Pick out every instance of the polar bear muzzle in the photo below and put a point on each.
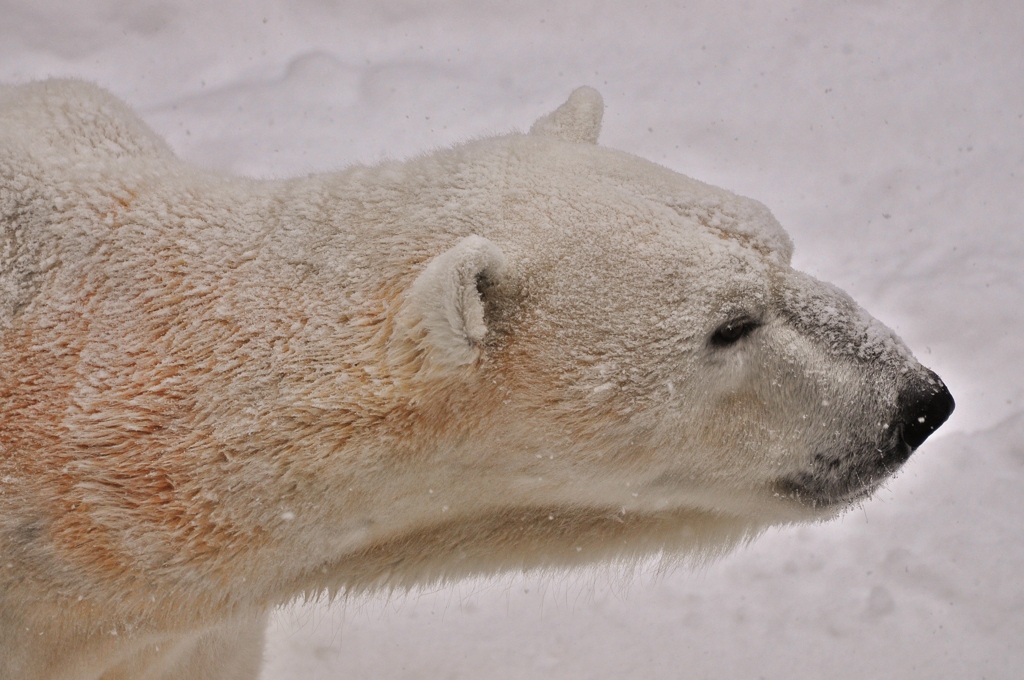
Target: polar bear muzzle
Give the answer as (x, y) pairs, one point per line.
(837, 478)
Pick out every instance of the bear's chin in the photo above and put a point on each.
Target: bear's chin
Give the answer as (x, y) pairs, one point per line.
(531, 539)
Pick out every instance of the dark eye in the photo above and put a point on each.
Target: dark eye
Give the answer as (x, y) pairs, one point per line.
(733, 331)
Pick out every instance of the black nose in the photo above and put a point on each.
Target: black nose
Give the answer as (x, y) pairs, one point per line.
(923, 407)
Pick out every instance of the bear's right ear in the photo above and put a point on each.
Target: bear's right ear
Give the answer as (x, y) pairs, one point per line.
(577, 120)
(443, 315)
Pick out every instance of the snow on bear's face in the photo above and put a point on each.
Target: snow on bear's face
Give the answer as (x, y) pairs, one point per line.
(654, 356)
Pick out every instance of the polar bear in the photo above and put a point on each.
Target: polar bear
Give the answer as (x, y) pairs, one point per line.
(525, 351)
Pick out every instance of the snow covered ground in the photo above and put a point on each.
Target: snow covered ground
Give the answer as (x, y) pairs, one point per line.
(887, 137)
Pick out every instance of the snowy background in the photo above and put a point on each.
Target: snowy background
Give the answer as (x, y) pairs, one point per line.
(887, 137)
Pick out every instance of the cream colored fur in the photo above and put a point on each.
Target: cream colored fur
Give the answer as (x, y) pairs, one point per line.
(220, 393)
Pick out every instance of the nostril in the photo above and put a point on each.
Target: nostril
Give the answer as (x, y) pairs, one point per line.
(924, 410)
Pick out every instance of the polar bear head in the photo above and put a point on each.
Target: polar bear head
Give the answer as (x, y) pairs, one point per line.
(624, 349)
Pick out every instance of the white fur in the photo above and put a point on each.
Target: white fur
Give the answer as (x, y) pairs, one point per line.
(219, 393)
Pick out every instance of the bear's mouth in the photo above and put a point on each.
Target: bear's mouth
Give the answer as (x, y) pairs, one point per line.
(837, 480)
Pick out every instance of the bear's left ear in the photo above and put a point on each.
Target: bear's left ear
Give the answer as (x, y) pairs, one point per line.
(577, 120)
(443, 314)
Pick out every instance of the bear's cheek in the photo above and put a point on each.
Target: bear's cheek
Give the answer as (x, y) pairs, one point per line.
(767, 410)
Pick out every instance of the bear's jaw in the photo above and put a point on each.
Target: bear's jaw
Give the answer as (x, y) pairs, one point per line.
(810, 492)
(837, 477)
(838, 480)
(525, 539)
